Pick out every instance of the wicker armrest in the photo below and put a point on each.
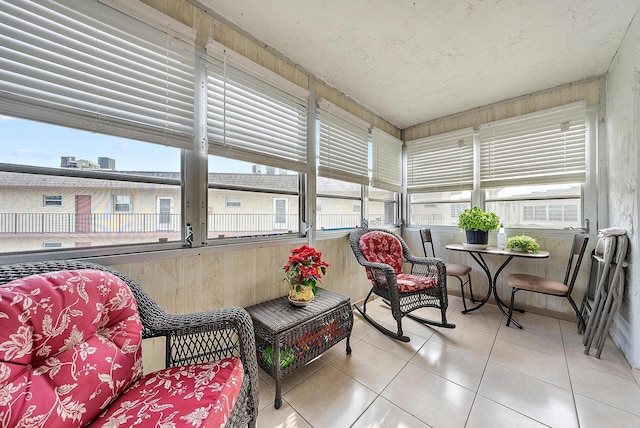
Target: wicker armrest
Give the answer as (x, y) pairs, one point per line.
(214, 334)
(423, 260)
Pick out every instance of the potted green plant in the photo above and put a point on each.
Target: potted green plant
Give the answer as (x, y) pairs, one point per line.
(477, 224)
(523, 243)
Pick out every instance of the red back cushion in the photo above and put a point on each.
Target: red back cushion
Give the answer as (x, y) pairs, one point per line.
(70, 343)
(381, 247)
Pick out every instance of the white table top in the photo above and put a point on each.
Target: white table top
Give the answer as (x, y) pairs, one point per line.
(496, 251)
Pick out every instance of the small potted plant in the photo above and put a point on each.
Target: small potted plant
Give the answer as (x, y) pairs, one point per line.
(477, 224)
(304, 270)
(523, 243)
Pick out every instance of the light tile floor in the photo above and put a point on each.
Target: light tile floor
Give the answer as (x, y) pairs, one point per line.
(480, 374)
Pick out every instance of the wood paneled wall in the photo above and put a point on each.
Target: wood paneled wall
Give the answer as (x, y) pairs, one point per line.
(588, 90)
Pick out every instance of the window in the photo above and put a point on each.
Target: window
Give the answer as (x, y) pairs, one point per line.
(121, 204)
(533, 167)
(47, 245)
(122, 71)
(342, 167)
(338, 200)
(254, 115)
(545, 147)
(66, 54)
(50, 200)
(344, 145)
(257, 131)
(457, 209)
(386, 161)
(438, 208)
(548, 206)
(382, 207)
(530, 168)
(167, 219)
(248, 200)
(386, 179)
(439, 177)
(95, 204)
(232, 202)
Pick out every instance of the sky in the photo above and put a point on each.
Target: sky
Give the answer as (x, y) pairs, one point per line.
(39, 144)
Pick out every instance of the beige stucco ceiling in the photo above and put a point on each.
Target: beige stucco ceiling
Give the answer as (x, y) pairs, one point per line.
(413, 61)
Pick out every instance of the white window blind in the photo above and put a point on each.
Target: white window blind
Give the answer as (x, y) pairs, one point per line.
(253, 114)
(544, 147)
(344, 145)
(441, 163)
(387, 161)
(91, 66)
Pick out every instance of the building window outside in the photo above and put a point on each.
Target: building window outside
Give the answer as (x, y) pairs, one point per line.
(456, 209)
(232, 202)
(122, 203)
(52, 200)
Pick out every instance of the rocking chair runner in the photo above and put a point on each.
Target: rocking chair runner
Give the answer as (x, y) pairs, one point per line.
(383, 253)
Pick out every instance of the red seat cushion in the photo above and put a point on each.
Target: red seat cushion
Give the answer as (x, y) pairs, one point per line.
(381, 247)
(408, 283)
(69, 344)
(200, 395)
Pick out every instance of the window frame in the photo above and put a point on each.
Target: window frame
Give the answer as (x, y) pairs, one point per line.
(589, 195)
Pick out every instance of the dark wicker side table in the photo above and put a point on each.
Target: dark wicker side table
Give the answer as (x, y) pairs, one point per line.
(300, 334)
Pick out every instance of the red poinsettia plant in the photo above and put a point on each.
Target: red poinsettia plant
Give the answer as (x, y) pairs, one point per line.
(305, 268)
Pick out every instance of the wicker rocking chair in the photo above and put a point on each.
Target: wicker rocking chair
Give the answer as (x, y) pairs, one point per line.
(383, 253)
(190, 338)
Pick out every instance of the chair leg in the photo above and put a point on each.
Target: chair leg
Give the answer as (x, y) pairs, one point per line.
(575, 308)
(464, 302)
(513, 295)
(473, 299)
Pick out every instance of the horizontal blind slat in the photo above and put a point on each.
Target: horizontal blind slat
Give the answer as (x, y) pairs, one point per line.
(87, 59)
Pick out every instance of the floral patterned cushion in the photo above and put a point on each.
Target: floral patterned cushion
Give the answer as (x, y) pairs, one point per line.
(408, 283)
(69, 344)
(380, 247)
(201, 395)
